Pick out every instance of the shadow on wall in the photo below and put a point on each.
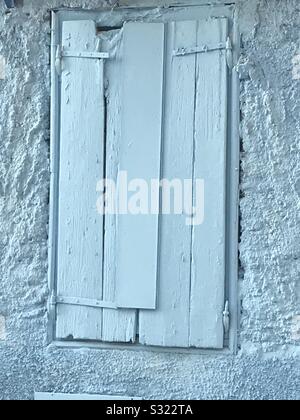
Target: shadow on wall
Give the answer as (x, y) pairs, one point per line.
(10, 4)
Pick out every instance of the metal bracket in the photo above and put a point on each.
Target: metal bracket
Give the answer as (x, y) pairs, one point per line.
(91, 303)
(60, 54)
(226, 318)
(51, 306)
(229, 54)
(227, 46)
(92, 55)
(199, 50)
(58, 59)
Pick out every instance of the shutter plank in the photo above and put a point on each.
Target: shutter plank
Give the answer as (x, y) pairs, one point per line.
(208, 249)
(120, 325)
(137, 235)
(80, 227)
(169, 324)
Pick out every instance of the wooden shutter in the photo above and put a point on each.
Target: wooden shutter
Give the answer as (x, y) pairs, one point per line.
(80, 227)
(166, 116)
(140, 149)
(208, 240)
(192, 259)
(88, 244)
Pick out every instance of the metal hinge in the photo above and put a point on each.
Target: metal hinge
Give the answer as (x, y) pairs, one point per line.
(58, 60)
(226, 318)
(229, 54)
(51, 304)
(227, 46)
(89, 54)
(60, 54)
(199, 50)
(90, 303)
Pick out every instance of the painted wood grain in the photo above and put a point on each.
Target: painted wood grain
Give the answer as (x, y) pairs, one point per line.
(120, 325)
(137, 235)
(54, 169)
(233, 182)
(80, 227)
(208, 239)
(169, 324)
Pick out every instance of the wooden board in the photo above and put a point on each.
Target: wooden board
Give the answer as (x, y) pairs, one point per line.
(169, 324)
(191, 289)
(189, 263)
(140, 148)
(208, 239)
(120, 325)
(80, 227)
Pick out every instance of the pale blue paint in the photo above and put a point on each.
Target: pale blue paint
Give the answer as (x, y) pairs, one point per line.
(140, 156)
(80, 227)
(160, 104)
(210, 160)
(191, 293)
(169, 324)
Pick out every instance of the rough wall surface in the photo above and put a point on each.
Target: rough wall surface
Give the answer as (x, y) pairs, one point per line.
(267, 366)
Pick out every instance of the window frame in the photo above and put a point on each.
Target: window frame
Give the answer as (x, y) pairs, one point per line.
(220, 9)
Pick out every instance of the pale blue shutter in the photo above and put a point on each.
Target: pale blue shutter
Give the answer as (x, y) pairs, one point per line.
(91, 302)
(80, 227)
(166, 116)
(208, 240)
(191, 275)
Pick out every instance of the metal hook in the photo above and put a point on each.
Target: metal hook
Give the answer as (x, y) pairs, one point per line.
(58, 60)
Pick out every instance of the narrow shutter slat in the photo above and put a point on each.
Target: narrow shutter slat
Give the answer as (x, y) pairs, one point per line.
(120, 325)
(137, 235)
(169, 324)
(80, 227)
(208, 249)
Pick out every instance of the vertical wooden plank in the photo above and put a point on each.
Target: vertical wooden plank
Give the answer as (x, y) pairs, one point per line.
(169, 324)
(137, 235)
(233, 179)
(80, 227)
(120, 325)
(208, 248)
(54, 153)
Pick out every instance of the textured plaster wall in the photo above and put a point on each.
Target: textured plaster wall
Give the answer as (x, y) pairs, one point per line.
(267, 365)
